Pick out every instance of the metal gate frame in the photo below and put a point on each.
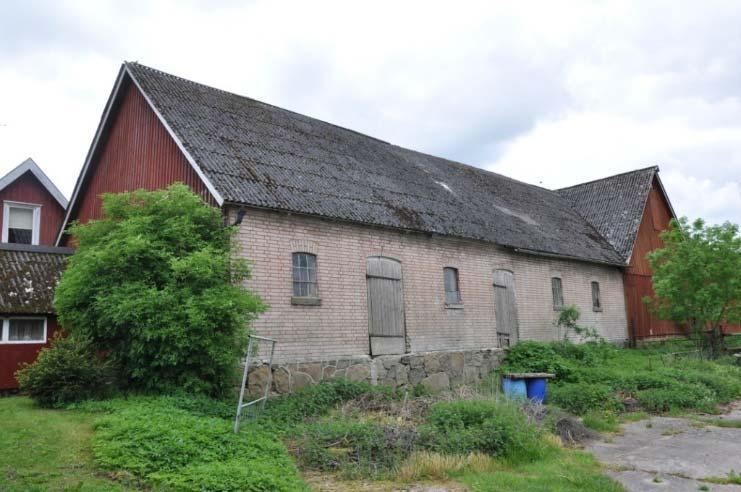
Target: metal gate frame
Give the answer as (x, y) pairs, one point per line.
(251, 347)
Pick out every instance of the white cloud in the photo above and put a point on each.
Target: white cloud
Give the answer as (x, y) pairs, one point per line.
(551, 92)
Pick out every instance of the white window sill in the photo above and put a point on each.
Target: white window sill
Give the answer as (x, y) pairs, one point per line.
(24, 342)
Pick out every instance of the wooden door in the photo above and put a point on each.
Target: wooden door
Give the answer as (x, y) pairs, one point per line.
(505, 305)
(385, 306)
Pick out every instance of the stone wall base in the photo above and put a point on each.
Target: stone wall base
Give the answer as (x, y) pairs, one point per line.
(434, 370)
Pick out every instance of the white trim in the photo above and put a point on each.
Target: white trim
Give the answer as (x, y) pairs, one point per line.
(5, 332)
(217, 196)
(99, 132)
(30, 166)
(36, 227)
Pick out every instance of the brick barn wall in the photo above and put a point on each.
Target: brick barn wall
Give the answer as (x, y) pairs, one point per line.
(339, 327)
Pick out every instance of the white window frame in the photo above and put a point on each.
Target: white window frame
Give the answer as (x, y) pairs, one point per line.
(5, 332)
(7, 205)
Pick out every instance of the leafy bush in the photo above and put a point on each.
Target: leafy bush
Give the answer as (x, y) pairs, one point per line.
(588, 354)
(66, 372)
(356, 448)
(497, 428)
(155, 285)
(675, 397)
(532, 356)
(580, 398)
(163, 444)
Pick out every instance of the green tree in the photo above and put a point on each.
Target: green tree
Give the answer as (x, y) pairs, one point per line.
(155, 286)
(697, 278)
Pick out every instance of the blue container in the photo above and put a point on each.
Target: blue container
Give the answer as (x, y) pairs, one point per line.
(536, 389)
(514, 389)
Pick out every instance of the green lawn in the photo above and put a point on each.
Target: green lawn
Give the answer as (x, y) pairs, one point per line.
(46, 450)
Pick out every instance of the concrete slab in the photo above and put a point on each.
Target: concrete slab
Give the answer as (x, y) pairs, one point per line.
(675, 449)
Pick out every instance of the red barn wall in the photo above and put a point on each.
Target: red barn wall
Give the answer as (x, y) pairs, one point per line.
(137, 152)
(12, 355)
(28, 189)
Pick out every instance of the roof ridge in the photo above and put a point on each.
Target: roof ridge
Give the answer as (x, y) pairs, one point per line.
(210, 87)
(654, 167)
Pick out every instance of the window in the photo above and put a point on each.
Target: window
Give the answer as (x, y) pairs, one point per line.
(452, 291)
(557, 293)
(21, 223)
(596, 303)
(23, 330)
(304, 275)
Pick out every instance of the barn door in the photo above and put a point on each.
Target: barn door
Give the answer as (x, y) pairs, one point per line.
(385, 306)
(505, 305)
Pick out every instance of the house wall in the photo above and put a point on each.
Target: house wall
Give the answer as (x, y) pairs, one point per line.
(339, 326)
(13, 355)
(137, 152)
(28, 189)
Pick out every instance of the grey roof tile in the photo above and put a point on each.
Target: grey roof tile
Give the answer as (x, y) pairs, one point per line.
(28, 277)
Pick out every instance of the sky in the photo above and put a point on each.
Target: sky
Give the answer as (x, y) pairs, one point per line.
(551, 93)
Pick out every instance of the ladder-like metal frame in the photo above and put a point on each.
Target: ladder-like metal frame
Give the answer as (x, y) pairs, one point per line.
(254, 339)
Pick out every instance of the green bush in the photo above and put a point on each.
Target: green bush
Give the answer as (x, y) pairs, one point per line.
(355, 448)
(66, 372)
(532, 356)
(497, 428)
(678, 396)
(589, 354)
(580, 398)
(155, 285)
(162, 444)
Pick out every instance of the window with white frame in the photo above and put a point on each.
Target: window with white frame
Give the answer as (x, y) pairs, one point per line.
(23, 330)
(304, 275)
(21, 223)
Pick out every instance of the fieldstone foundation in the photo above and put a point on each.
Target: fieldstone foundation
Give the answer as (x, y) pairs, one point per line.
(435, 370)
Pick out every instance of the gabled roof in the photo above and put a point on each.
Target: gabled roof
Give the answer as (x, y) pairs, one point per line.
(30, 166)
(28, 277)
(614, 205)
(254, 154)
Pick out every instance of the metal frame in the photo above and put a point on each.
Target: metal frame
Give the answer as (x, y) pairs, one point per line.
(251, 347)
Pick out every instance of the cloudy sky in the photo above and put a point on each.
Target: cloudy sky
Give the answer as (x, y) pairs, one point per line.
(552, 93)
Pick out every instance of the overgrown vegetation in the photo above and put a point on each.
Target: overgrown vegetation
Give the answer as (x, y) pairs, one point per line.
(696, 279)
(154, 286)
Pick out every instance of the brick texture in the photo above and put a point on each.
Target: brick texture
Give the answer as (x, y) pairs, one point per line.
(339, 326)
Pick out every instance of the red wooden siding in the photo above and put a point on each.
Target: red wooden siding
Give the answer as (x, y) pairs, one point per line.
(13, 355)
(28, 189)
(137, 152)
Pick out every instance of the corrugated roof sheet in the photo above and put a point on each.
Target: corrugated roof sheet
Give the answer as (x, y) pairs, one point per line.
(614, 205)
(260, 155)
(28, 277)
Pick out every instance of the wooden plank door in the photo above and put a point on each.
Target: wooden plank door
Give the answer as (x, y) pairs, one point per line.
(385, 306)
(505, 305)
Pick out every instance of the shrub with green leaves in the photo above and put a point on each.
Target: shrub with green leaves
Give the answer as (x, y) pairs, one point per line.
(580, 398)
(497, 428)
(66, 372)
(677, 396)
(154, 284)
(530, 356)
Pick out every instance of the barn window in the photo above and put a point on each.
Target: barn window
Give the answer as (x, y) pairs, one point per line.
(557, 290)
(21, 223)
(304, 276)
(596, 303)
(23, 330)
(452, 291)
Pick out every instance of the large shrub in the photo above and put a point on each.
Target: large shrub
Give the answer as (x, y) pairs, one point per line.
(531, 356)
(66, 372)
(155, 285)
(497, 428)
(580, 398)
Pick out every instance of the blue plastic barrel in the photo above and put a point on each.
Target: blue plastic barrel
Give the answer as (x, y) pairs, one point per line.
(514, 389)
(536, 389)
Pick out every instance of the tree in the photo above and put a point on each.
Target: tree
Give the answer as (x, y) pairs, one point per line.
(155, 286)
(697, 278)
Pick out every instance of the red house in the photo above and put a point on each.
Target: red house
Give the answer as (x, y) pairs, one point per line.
(30, 266)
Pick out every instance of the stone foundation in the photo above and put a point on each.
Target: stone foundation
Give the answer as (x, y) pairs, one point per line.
(436, 371)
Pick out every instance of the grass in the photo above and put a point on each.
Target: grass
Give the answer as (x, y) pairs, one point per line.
(47, 450)
(602, 421)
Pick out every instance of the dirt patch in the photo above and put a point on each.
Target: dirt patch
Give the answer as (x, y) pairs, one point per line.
(572, 432)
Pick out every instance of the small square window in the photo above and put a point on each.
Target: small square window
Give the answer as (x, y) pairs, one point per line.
(452, 290)
(557, 290)
(20, 223)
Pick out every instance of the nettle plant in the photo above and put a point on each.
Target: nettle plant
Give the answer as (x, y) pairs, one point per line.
(154, 285)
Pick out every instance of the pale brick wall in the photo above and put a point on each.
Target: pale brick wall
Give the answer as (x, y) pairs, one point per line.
(339, 327)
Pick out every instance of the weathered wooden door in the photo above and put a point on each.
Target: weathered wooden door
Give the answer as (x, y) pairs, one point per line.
(385, 306)
(505, 305)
